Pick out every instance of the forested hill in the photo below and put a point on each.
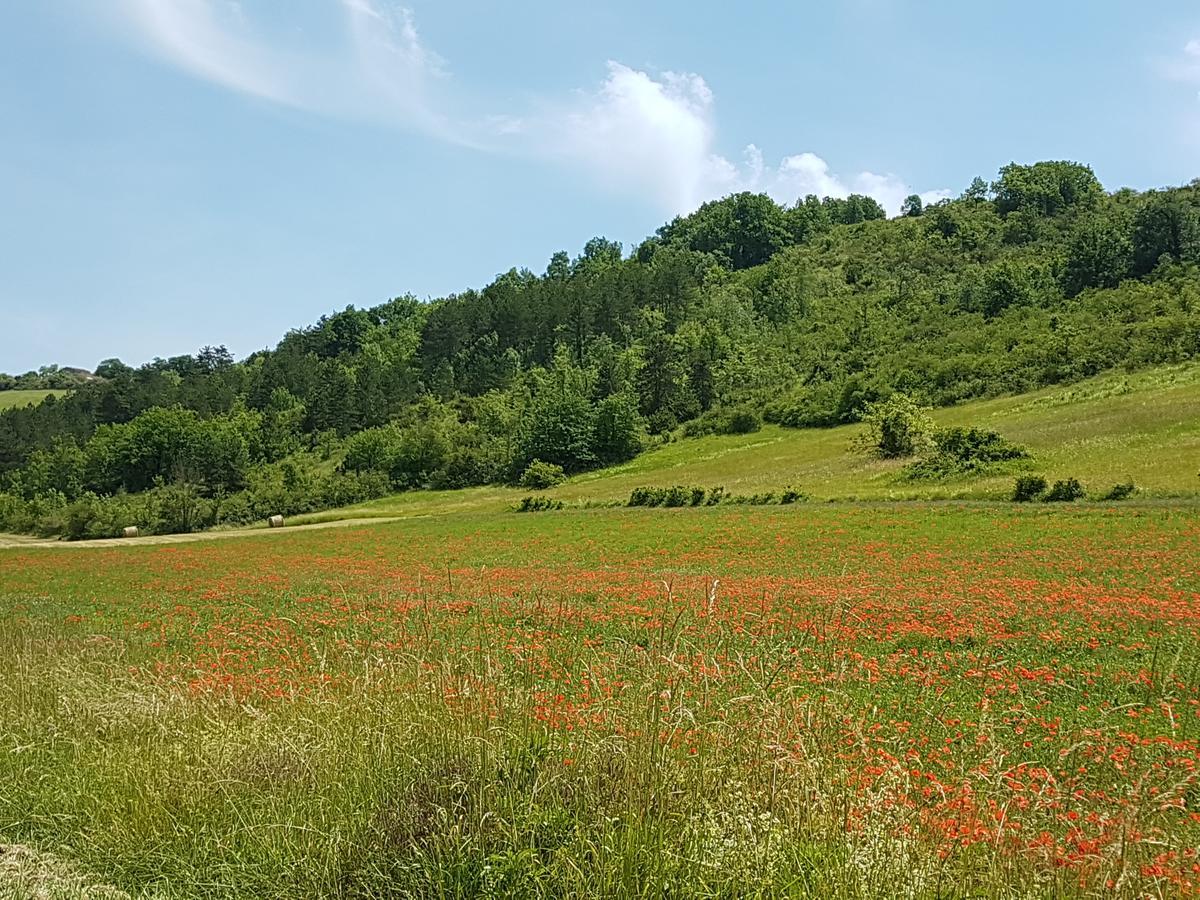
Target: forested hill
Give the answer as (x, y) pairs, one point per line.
(804, 312)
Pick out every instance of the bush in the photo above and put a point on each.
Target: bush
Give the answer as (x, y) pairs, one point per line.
(1028, 488)
(791, 495)
(1120, 491)
(743, 421)
(959, 451)
(539, 504)
(738, 420)
(640, 496)
(541, 475)
(897, 427)
(823, 404)
(678, 496)
(675, 496)
(1065, 491)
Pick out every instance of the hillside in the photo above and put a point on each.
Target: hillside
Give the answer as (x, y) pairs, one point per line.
(807, 316)
(1103, 431)
(21, 398)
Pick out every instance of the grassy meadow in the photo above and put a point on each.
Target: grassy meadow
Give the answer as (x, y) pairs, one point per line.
(821, 700)
(10, 399)
(1143, 427)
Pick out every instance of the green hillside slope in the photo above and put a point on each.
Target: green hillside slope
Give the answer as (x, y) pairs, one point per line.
(1144, 426)
(15, 399)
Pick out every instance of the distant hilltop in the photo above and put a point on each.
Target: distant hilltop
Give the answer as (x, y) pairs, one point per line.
(47, 378)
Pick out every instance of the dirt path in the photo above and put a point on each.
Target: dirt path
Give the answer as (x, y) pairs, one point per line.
(22, 542)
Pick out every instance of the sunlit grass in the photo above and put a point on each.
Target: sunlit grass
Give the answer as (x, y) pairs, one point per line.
(1143, 427)
(9, 399)
(827, 701)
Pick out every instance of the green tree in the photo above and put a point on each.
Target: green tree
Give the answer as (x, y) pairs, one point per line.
(559, 425)
(1046, 188)
(896, 427)
(1099, 254)
(741, 230)
(1164, 226)
(617, 434)
(1004, 284)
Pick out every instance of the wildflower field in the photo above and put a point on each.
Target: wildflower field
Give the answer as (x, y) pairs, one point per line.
(911, 700)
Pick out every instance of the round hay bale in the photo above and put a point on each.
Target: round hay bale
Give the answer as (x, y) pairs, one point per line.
(275, 521)
(130, 531)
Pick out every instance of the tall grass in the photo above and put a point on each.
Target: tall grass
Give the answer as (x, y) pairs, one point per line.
(704, 768)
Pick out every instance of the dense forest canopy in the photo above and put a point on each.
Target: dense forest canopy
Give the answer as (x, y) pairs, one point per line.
(808, 312)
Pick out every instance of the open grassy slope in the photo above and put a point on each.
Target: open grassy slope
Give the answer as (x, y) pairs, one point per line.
(9, 399)
(1144, 426)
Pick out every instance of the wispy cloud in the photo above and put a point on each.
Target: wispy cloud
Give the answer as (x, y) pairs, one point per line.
(1186, 66)
(373, 66)
(214, 41)
(648, 135)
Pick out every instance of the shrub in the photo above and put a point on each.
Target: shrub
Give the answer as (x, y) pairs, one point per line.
(678, 496)
(1028, 487)
(1120, 491)
(640, 496)
(963, 450)
(897, 427)
(674, 496)
(738, 420)
(15, 515)
(539, 504)
(743, 421)
(1065, 491)
(791, 495)
(715, 496)
(541, 475)
(823, 404)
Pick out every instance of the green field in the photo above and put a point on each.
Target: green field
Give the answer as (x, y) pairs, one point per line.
(1143, 426)
(10, 399)
(844, 699)
(918, 700)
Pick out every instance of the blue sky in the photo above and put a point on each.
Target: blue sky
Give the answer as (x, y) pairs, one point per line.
(175, 173)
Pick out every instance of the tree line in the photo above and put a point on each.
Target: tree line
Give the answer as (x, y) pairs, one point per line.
(803, 313)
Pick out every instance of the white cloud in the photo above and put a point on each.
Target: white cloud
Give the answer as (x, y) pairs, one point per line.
(658, 137)
(1187, 67)
(647, 135)
(210, 41)
(373, 66)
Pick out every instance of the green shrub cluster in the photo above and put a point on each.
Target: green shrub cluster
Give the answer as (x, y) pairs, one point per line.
(735, 420)
(697, 496)
(1066, 491)
(1034, 487)
(960, 451)
(677, 495)
(896, 427)
(1028, 488)
(540, 475)
(178, 507)
(539, 504)
(1121, 491)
